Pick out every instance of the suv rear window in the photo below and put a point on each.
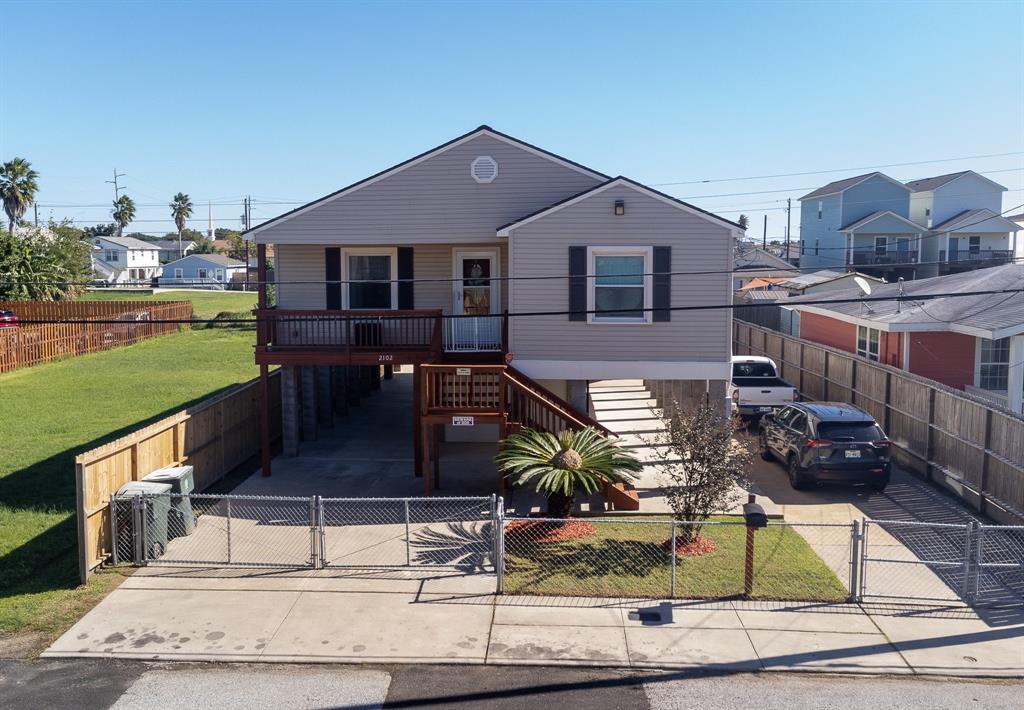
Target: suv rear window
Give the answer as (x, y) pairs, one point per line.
(850, 431)
(753, 369)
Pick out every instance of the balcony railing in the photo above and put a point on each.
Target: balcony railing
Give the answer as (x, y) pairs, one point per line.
(473, 334)
(988, 256)
(870, 257)
(350, 330)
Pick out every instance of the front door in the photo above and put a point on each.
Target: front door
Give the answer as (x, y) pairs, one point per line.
(902, 250)
(954, 249)
(476, 296)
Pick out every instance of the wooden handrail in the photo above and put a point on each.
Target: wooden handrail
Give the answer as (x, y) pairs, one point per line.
(351, 313)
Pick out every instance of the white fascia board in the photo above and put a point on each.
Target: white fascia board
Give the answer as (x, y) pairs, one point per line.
(734, 231)
(623, 369)
(416, 161)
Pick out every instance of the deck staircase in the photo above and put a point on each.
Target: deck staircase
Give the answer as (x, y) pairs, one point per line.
(507, 396)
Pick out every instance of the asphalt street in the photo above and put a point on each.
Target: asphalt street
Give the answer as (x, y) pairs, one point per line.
(122, 685)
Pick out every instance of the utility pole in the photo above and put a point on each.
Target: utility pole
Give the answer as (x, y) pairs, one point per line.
(117, 188)
(35, 211)
(789, 208)
(764, 239)
(245, 226)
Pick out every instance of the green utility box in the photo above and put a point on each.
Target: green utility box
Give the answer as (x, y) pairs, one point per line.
(182, 482)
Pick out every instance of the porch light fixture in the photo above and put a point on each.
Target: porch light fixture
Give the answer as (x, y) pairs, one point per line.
(620, 208)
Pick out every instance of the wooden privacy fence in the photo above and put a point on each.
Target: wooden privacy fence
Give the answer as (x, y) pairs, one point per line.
(214, 437)
(31, 344)
(971, 447)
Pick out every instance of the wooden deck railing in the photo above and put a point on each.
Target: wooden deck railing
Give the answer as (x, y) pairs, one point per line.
(367, 330)
(500, 390)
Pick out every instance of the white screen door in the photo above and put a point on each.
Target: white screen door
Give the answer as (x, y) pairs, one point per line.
(475, 293)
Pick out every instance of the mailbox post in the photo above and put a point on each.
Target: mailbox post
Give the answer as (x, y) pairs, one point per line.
(754, 516)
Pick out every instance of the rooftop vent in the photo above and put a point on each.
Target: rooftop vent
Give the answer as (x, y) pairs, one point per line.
(484, 169)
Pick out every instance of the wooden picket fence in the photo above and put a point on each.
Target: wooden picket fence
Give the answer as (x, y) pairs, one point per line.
(214, 437)
(970, 446)
(34, 343)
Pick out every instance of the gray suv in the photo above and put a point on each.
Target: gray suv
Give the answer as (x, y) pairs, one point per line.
(826, 441)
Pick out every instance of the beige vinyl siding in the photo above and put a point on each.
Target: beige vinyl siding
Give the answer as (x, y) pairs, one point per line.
(305, 262)
(437, 201)
(541, 248)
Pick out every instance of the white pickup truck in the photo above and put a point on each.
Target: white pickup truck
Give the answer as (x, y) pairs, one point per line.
(756, 388)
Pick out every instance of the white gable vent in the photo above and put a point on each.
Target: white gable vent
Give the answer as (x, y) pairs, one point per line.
(484, 169)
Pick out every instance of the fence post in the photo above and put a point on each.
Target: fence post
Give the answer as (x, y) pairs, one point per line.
(408, 552)
(965, 586)
(856, 550)
(314, 548)
(499, 546)
(113, 531)
(672, 551)
(863, 575)
(229, 529)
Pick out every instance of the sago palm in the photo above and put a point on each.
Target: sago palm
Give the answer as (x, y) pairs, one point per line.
(561, 466)
(124, 212)
(181, 210)
(18, 189)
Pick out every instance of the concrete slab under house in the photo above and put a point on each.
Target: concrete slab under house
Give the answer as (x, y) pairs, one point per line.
(507, 279)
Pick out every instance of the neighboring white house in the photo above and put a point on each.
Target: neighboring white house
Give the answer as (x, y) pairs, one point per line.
(202, 271)
(124, 260)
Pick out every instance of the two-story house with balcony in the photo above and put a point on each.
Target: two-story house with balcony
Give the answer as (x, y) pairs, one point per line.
(124, 260)
(506, 276)
(919, 229)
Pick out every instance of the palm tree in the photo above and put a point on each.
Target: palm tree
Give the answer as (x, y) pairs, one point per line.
(18, 188)
(181, 210)
(561, 466)
(124, 212)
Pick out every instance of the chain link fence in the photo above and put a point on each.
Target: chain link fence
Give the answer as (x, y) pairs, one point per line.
(713, 559)
(409, 532)
(901, 561)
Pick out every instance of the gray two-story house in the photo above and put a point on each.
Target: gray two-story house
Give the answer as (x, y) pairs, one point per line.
(922, 228)
(507, 277)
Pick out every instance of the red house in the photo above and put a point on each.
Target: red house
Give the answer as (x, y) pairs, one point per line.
(965, 330)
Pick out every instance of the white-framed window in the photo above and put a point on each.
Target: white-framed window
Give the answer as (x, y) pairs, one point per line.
(371, 276)
(868, 342)
(974, 245)
(203, 273)
(993, 364)
(820, 208)
(881, 245)
(219, 274)
(620, 284)
(179, 273)
(111, 255)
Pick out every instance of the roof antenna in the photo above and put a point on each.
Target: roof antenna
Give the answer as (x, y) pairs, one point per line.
(899, 300)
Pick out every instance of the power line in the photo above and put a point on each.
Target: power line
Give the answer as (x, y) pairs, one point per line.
(837, 170)
(537, 314)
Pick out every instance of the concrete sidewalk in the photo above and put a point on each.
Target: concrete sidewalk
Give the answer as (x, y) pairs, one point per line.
(401, 617)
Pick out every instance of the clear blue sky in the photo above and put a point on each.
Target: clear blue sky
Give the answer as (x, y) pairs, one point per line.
(291, 100)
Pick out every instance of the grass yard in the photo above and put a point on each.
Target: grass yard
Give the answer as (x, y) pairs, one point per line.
(50, 412)
(628, 560)
(205, 304)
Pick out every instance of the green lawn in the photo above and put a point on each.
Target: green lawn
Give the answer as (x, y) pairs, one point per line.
(50, 412)
(628, 560)
(205, 304)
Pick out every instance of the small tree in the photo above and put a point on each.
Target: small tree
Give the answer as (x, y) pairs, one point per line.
(703, 467)
(562, 466)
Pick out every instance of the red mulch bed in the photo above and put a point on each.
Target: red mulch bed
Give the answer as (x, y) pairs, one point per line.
(700, 546)
(547, 531)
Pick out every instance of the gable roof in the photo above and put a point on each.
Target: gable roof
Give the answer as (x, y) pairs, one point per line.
(170, 244)
(837, 186)
(975, 216)
(483, 130)
(219, 259)
(505, 230)
(813, 278)
(130, 243)
(931, 183)
(762, 283)
(863, 221)
(755, 258)
(988, 315)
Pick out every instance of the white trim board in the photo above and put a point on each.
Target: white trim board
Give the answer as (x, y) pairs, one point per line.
(622, 369)
(416, 161)
(621, 182)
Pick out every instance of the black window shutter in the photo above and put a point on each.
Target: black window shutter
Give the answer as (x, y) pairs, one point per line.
(405, 284)
(332, 272)
(661, 299)
(577, 283)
